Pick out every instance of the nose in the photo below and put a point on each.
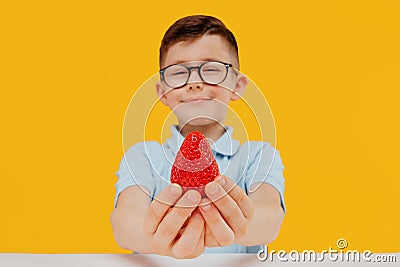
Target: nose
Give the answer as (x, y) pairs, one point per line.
(195, 86)
(194, 82)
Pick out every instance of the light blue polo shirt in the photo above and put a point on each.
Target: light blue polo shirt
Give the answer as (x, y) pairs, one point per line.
(148, 164)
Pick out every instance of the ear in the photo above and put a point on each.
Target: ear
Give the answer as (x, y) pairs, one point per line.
(240, 86)
(160, 89)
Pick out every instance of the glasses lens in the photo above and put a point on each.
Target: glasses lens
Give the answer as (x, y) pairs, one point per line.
(176, 75)
(213, 72)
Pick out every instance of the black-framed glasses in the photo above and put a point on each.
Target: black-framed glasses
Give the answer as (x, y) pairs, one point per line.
(210, 72)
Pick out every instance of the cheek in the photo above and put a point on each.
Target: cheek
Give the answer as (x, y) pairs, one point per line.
(229, 82)
(223, 94)
(173, 98)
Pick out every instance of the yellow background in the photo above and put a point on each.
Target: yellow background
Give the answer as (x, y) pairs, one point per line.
(329, 70)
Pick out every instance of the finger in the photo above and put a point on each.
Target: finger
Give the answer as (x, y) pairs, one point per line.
(227, 207)
(173, 221)
(209, 239)
(238, 195)
(199, 249)
(159, 207)
(186, 244)
(182, 229)
(221, 231)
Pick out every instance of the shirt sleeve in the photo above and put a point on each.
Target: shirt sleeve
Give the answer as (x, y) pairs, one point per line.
(265, 166)
(134, 169)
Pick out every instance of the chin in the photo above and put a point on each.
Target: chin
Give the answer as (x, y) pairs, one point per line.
(200, 120)
(201, 115)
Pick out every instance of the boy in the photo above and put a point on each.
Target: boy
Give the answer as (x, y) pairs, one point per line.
(244, 206)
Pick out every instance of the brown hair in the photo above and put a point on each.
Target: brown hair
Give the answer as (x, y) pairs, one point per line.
(193, 27)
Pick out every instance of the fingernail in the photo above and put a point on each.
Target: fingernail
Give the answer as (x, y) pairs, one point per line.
(213, 188)
(174, 189)
(191, 196)
(206, 207)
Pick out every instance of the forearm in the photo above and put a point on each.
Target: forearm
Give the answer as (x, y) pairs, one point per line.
(128, 231)
(127, 220)
(264, 226)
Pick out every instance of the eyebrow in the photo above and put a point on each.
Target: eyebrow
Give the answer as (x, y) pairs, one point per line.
(203, 59)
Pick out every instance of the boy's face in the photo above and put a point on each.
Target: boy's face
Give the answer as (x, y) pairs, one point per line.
(198, 103)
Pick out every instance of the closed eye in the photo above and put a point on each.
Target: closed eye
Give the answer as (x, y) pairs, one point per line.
(179, 73)
(211, 70)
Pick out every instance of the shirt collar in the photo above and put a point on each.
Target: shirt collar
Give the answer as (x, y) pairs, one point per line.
(225, 145)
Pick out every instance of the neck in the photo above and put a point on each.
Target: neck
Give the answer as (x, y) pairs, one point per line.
(213, 131)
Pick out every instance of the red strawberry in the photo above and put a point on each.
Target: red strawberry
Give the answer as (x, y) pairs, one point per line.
(194, 165)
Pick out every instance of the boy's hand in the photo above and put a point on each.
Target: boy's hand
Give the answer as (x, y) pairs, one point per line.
(165, 222)
(226, 212)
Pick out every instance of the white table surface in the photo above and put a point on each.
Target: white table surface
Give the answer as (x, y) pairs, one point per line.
(131, 260)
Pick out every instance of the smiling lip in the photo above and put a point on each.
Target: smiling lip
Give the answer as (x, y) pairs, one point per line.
(196, 99)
